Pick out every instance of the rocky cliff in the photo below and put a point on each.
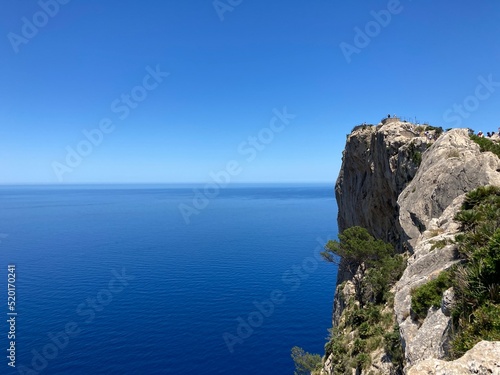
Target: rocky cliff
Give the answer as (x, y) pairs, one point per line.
(405, 183)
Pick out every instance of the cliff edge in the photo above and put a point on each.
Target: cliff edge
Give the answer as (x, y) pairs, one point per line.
(405, 184)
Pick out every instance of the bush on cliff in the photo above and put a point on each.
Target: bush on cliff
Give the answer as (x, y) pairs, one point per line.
(476, 281)
(486, 144)
(429, 294)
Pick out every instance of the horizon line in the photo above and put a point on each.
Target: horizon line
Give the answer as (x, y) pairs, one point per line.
(167, 183)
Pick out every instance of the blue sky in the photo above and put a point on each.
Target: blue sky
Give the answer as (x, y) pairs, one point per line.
(227, 78)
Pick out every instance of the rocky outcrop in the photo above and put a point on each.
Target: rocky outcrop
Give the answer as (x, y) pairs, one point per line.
(483, 359)
(377, 164)
(453, 166)
(450, 168)
(405, 188)
(434, 252)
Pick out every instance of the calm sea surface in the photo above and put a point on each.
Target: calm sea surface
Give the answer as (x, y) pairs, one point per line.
(111, 279)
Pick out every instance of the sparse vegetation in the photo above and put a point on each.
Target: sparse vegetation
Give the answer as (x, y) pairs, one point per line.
(429, 294)
(438, 130)
(361, 126)
(337, 346)
(392, 346)
(372, 328)
(368, 316)
(453, 154)
(486, 144)
(476, 281)
(440, 244)
(435, 232)
(417, 157)
(415, 154)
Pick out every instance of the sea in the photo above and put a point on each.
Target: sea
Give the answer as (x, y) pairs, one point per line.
(163, 279)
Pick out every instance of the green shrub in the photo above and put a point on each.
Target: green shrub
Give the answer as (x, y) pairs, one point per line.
(393, 347)
(414, 154)
(484, 325)
(380, 279)
(387, 319)
(337, 347)
(355, 317)
(476, 282)
(365, 330)
(362, 361)
(359, 346)
(486, 144)
(373, 343)
(474, 198)
(439, 244)
(417, 157)
(429, 294)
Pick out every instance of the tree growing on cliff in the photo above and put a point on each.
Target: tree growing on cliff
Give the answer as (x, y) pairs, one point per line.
(305, 363)
(372, 263)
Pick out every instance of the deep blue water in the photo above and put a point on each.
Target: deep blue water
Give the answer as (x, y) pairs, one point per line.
(185, 285)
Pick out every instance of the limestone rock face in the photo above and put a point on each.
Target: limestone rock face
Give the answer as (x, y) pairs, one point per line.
(430, 340)
(378, 162)
(482, 359)
(377, 165)
(343, 293)
(434, 252)
(450, 168)
(453, 166)
(448, 302)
